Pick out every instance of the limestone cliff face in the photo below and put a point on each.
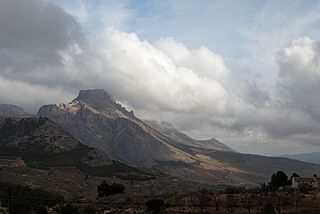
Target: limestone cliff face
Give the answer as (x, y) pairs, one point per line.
(97, 121)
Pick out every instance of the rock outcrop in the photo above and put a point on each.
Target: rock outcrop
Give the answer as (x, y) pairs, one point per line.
(97, 121)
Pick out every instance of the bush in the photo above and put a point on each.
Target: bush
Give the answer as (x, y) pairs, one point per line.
(269, 209)
(155, 205)
(105, 189)
(26, 206)
(69, 209)
(305, 187)
(234, 190)
(89, 210)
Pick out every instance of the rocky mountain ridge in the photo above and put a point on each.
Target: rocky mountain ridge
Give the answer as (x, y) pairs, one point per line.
(170, 131)
(97, 121)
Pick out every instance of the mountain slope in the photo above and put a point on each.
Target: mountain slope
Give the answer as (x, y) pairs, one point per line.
(313, 157)
(170, 131)
(97, 121)
(42, 144)
(258, 168)
(8, 110)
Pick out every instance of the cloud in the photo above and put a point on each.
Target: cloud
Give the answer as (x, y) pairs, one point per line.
(36, 28)
(39, 50)
(45, 58)
(203, 61)
(299, 76)
(158, 76)
(33, 36)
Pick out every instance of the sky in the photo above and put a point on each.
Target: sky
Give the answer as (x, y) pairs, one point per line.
(245, 72)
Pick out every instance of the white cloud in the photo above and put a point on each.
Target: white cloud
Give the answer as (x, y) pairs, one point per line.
(299, 76)
(145, 76)
(203, 61)
(164, 80)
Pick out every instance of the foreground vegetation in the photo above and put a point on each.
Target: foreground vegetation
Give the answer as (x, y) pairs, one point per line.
(275, 197)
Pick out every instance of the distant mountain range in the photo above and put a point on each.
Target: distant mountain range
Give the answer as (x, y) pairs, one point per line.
(12, 111)
(313, 157)
(170, 131)
(99, 136)
(96, 120)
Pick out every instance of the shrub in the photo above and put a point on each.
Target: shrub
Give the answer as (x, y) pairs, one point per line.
(155, 205)
(89, 210)
(69, 209)
(305, 187)
(269, 209)
(234, 190)
(105, 189)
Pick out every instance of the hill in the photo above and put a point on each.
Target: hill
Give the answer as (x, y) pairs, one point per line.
(42, 144)
(313, 157)
(184, 140)
(8, 110)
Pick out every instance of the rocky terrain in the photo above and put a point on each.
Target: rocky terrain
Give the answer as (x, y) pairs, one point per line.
(42, 144)
(183, 139)
(97, 121)
(12, 111)
(58, 163)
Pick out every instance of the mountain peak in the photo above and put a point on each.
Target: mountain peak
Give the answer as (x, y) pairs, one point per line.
(97, 98)
(93, 94)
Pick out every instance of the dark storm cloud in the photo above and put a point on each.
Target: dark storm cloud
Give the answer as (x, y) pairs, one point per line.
(33, 35)
(36, 28)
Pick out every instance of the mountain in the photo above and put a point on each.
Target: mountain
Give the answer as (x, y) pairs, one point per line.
(170, 131)
(43, 144)
(96, 120)
(8, 110)
(258, 168)
(313, 157)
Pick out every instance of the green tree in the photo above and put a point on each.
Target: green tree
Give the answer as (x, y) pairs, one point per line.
(294, 175)
(279, 179)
